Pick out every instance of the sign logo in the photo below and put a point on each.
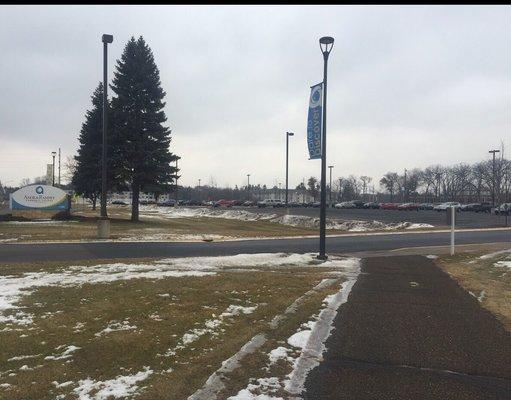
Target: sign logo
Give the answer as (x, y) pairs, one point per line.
(39, 190)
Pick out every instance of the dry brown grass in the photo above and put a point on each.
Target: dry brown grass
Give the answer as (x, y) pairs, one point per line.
(483, 279)
(191, 301)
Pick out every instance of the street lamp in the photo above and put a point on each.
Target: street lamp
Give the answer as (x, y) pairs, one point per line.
(53, 154)
(248, 186)
(325, 44)
(493, 184)
(330, 200)
(199, 191)
(287, 162)
(104, 223)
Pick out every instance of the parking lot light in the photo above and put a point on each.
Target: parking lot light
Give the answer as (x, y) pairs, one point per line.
(287, 164)
(325, 43)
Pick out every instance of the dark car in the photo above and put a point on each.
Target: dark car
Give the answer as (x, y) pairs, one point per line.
(468, 207)
(372, 205)
(168, 203)
(483, 207)
(426, 206)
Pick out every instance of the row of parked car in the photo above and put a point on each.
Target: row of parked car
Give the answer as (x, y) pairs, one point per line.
(503, 209)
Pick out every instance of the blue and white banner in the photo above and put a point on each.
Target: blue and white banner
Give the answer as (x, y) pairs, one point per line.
(314, 121)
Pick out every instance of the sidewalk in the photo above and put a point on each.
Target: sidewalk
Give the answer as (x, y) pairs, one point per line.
(408, 331)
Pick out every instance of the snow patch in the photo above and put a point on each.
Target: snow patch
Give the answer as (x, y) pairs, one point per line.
(115, 327)
(121, 386)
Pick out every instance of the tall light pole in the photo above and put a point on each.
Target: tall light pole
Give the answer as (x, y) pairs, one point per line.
(287, 163)
(53, 154)
(105, 39)
(325, 44)
(405, 191)
(199, 191)
(493, 183)
(248, 186)
(330, 198)
(59, 166)
(177, 183)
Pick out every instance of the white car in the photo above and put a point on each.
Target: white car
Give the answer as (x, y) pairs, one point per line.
(270, 203)
(446, 205)
(345, 204)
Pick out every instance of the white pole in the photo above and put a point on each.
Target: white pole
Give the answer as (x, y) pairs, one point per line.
(453, 213)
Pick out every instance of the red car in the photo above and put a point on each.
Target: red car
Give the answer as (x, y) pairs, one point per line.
(408, 207)
(223, 203)
(389, 206)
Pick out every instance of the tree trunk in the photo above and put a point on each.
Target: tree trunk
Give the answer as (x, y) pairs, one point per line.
(135, 189)
(94, 199)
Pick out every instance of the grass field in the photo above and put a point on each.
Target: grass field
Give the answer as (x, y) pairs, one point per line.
(186, 224)
(157, 329)
(487, 276)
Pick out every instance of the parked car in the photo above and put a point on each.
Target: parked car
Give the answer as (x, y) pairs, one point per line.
(223, 203)
(168, 203)
(468, 207)
(120, 202)
(270, 203)
(408, 207)
(446, 205)
(483, 207)
(426, 206)
(194, 203)
(389, 206)
(372, 205)
(294, 204)
(503, 209)
(248, 203)
(316, 204)
(345, 204)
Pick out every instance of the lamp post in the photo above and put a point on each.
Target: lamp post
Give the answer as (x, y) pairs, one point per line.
(493, 183)
(53, 154)
(287, 163)
(199, 191)
(103, 222)
(325, 44)
(177, 183)
(330, 191)
(405, 190)
(248, 186)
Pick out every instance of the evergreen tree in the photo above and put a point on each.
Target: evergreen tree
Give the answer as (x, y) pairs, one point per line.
(141, 153)
(86, 178)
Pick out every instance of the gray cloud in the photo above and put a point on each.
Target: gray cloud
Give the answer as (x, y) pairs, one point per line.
(408, 86)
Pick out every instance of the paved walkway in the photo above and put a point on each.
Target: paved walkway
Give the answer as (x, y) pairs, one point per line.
(408, 331)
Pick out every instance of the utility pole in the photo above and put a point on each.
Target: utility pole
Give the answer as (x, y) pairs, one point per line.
(493, 185)
(177, 185)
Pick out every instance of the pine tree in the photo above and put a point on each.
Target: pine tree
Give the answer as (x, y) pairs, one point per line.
(141, 152)
(87, 174)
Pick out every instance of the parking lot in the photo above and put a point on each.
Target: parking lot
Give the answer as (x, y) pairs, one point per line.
(466, 219)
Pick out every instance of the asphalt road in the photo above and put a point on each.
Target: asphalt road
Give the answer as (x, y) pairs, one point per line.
(409, 331)
(466, 219)
(11, 253)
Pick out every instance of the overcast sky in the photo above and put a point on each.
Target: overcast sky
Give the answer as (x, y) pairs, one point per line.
(408, 86)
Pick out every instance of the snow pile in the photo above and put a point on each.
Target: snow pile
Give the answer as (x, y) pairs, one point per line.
(115, 327)
(300, 221)
(122, 386)
(503, 264)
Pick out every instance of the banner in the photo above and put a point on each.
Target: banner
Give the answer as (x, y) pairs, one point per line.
(314, 121)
